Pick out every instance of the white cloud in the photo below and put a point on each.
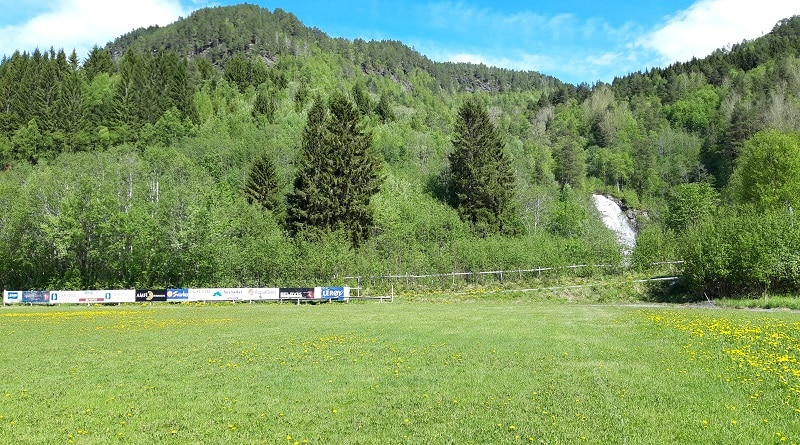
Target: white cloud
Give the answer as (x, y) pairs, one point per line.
(80, 24)
(603, 59)
(566, 45)
(522, 62)
(711, 24)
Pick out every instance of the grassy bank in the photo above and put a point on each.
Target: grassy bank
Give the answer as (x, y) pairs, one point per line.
(476, 371)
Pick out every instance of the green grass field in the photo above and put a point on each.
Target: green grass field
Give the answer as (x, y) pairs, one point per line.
(482, 371)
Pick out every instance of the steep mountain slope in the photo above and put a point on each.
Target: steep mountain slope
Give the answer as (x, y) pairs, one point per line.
(221, 33)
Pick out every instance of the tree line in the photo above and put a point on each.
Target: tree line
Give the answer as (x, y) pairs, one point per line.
(458, 167)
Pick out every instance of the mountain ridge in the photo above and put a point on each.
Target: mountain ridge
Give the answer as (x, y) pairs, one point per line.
(222, 32)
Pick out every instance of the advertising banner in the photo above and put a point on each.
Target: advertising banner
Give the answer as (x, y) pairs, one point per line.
(261, 294)
(217, 294)
(92, 296)
(36, 296)
(180, 294)
(151, 295)
(296, 293)
(334, 293)
(66, 296)
(120, 296)
(12, 297)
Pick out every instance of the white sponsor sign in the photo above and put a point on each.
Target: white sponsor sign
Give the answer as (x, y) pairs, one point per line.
(92, 296)
(12, 297)
(261, 294)
(218, 294)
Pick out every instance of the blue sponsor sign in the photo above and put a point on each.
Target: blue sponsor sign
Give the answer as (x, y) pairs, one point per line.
(180, 294)
(36, 296)
(332, 293)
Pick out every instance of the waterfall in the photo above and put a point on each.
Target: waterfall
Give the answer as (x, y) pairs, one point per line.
(615, 219)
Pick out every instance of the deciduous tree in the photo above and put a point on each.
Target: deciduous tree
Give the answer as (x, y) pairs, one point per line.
(768, 171)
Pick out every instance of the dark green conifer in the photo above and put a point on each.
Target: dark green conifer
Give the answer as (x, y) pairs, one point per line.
(481, 180)
(361, 99)
(384, 109)
(338, 175)
(99, 61)
(262, 185)
(304, 209)
(265, 104)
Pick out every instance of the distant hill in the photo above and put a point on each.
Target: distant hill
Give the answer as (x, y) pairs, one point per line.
(779, 44)
(220, 33)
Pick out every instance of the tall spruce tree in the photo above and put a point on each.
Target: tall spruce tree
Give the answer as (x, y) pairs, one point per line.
(304, 209)
(481, 180)
(98, 61)
(262, 185)
(338, 175)
(70, 109)
(384, 109)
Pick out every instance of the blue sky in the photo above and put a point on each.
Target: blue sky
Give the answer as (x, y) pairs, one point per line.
(573, 40)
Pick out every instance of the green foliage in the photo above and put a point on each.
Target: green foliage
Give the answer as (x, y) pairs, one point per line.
(570, 164)
(244, 73)
(339, 173)
(98, 62)
(743, 251)
(611, 165)
(481, 181)
(690, 204)
(28, 142)
(262, 185)
(265, 104)
(768, 172)
(361, 99)
(653, 245)
(384, 109)
(569, 216)
(695, 112)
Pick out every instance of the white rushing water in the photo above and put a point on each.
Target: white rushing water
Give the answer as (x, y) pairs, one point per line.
(616, 221)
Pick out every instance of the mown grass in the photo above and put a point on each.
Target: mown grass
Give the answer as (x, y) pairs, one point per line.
(476, 370)
(764, 302)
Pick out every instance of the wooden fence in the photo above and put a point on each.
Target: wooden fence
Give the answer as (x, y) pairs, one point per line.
(520, 275)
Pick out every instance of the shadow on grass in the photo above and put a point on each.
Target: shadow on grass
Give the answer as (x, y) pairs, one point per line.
(671, 291)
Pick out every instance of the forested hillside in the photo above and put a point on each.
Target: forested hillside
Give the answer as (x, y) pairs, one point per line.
(239, 147)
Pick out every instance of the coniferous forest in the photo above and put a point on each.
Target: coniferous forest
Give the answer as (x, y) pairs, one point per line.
(238, 147)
